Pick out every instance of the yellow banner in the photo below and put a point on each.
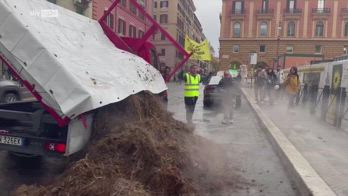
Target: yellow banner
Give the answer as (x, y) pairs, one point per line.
(200, 51)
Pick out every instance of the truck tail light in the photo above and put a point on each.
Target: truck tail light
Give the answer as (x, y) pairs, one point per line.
(55, 147)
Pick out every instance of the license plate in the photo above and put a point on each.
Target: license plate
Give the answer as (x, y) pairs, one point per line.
(11, 140)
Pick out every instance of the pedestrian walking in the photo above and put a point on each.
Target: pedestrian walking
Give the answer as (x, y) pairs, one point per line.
(270, 84)
(292, 86)
(229, 95)
(278, 86)
(191, 91)
(260, 81)
(237, 83)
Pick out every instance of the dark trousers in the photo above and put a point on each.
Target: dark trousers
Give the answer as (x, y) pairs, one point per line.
(190, 104)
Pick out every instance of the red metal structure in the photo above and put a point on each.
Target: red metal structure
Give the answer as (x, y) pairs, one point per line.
(140, 47)
(61, 121)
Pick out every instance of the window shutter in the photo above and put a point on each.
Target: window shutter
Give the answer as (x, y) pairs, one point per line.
(288, 5)
(233, 7)
(242, 11)
(295, 4)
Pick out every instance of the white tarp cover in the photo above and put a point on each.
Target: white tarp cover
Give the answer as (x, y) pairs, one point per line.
(69, 59)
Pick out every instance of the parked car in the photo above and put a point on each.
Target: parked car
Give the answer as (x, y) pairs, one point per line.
(212, 92)
(9, 91)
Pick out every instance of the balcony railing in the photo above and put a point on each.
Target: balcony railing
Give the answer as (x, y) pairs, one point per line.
(321, 10)
(294, 11)
(237, 12)
(265, 11)
(344, 11)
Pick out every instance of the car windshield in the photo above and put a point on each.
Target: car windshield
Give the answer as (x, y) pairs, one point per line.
(215, 80)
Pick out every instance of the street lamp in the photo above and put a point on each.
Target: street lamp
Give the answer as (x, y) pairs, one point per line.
(278, 42)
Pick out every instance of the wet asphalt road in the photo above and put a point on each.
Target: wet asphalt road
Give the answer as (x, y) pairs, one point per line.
(251, 155)
(16, 171)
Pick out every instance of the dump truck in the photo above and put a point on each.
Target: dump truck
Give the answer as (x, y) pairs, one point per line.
(72, 65)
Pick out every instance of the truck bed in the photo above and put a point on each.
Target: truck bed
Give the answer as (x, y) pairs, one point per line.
(68, 60)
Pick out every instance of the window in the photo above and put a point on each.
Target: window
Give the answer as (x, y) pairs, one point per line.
(141, 3)
(132, 8)
(124, 3)
(155, 17)
(141, 16)
(110, 21)
(346, 29)
(291, 29)
(289, 49)
(319, 29)
(263, 48)
(318, 49)
(321, 4)
(163, 37)
(264, 5)
(238, 7)
(163, 18)
(154, 35)
(291, 5)
(155, 5)
(263, 29)
(121, 27)
(164, 4)
(180, 23)
(132, 31)
(235, 49)
(163, 52)
(236, 29)
(140, 33)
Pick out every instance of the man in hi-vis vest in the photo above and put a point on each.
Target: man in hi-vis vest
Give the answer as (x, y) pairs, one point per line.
(191, 91)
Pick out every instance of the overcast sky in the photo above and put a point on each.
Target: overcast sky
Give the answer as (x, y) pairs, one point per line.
(208, 14)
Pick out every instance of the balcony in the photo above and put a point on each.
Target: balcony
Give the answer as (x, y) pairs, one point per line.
(292, 13)
(321, 11)
(264, 13)
(344, 13)
(237, 14)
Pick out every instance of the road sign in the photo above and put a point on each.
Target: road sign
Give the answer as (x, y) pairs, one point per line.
(253, 58)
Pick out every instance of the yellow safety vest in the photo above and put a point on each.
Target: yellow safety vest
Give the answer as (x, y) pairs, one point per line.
(192, 85)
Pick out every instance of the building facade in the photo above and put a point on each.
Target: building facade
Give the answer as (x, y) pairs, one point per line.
(179, 19)
(125, 19)
(276, 30)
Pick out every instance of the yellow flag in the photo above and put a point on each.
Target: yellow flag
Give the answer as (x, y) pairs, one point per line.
(201, 51)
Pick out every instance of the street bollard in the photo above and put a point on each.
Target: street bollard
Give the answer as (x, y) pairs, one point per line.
(325, 102)
(340, 107)
(313, 95)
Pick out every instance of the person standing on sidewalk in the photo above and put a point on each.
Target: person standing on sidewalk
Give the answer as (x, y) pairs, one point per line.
(191, 91)
(270, 84)
(292, 86)
(229, 95)
(260, 81)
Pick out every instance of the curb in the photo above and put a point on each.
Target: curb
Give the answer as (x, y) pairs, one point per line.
(307, 180)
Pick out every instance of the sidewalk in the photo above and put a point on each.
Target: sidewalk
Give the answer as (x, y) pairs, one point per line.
(322, 145)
